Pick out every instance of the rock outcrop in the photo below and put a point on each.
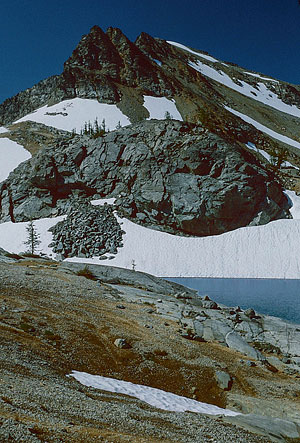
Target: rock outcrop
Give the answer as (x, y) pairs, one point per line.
(168, 175)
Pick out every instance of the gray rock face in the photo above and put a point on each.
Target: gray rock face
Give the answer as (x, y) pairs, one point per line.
(180, 177)
(238, 343)
(278, 429)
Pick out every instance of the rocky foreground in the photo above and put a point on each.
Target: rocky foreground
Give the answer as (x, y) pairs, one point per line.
(53, 321)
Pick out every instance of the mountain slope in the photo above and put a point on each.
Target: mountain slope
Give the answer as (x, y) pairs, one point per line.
(225, 169)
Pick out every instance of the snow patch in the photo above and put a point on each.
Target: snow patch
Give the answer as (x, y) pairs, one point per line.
(154, 397)
(72, 114)
(262, 78)
(265, 129)
(13, 235)
(260, 151)
(158, 106)
(295, 199)
(158, 62)
(269, 251)
(199, 54)
(11, 155)
(103, 201)
(261, 93)
(3, 129)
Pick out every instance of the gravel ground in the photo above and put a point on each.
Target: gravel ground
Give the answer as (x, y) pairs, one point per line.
(52, 321)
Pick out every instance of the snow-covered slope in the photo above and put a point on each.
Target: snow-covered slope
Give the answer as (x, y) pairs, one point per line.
(199, 54)
(158, 106)
(11, 155)
(261, 93)
(154, 397)
(13, 235)
(265, 129)
(269, 251)
(72, 114)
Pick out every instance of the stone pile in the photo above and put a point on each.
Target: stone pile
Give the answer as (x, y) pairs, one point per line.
(87, 231)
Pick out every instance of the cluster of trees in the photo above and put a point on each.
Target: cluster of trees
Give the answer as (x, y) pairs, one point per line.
(95, 129)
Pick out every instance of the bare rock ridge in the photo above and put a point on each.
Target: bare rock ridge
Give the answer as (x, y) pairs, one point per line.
(112, 69)
(101, 64)
(169, 175)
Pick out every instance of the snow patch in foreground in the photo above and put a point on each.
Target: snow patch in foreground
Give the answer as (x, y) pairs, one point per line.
(158, 106)
(72, 114)
(11, 155)
(154, 397)
(265, 129)
(13, 235)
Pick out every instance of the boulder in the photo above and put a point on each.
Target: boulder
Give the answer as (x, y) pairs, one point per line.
(122, 343)
(224, 380)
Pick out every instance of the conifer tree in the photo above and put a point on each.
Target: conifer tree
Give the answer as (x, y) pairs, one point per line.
(33, 238)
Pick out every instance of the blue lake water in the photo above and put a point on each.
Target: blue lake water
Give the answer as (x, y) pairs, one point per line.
(280, 298)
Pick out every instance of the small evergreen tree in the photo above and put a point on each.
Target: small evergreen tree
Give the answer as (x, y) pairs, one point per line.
(119, 126)
(33, 238)
(168, 116)
(96, 125)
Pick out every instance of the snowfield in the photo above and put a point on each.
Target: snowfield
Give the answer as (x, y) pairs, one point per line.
(262, 78)
(265, 129)
(13, 235)
(154, 397)
(261, 93)
(158, 106)
(199, 54)
(11, 155)
(3, 129)
(72, 114)
(269, 251)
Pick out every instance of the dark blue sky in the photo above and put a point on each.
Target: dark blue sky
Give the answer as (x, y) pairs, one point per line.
(37, 36)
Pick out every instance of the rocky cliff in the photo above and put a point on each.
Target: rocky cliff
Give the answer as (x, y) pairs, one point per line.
(173, 176)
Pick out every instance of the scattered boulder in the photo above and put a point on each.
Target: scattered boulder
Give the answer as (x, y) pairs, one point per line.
(236, 342)
(209, 304)
(250, 313)
(224, 380)
(122, 343)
